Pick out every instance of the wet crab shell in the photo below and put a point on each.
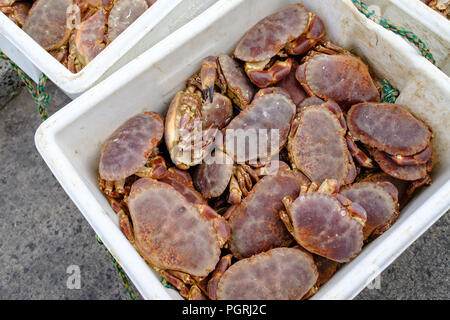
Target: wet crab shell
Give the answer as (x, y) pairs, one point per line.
(378, 199)
(169, 232)
(265, 39)
(278, 274)
(255, 223)
(239, 87)
(317, 146)
(323, 226)
(269, 114)
(123, 14)
(212, 177)
(388, 127)
(128, 148)
(342, 78)
(45, 16)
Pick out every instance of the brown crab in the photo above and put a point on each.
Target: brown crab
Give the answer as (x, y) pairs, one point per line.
(182, 244)
(330, 72)
(325, 222)
(278, 274)
(292, 30)
(317, 145)
(255, 224)
(192, 123)
(261, 130)
(399, 142)
(16, 11)
(132, 150)
(80, 29)
(105, 21)
(379, 200)
(226, 73)
(49, 15)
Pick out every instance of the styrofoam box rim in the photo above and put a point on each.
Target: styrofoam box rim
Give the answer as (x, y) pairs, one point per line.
(426, 208)
(70, 83)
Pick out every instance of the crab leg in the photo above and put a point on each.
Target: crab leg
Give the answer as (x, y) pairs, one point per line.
(265, 78)
(208, 75)
(419, 158)
(316, 31)
(221, 267)
(359, 155)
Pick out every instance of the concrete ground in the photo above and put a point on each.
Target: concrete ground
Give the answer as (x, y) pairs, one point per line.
(43, 235)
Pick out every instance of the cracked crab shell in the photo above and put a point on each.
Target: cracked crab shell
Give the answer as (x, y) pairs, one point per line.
(322, 226)
(45, 16)
(342, 78)
(278, 274)
(268, 117)
(388, 127)
(265, 39)
(379, 199)
(318, 148)
(170, 233)
(128, 148)
(255, 223)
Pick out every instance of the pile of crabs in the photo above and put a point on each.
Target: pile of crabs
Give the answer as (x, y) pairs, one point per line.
(222, 216)
(441, 6)
(74, 31)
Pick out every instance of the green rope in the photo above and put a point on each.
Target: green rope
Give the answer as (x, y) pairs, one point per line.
(411, 37)
(39, 93)
(390, 94)
(122, 275)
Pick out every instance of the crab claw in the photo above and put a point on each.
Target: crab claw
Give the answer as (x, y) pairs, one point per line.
(316, 31)
(264, 78)
(208, 75)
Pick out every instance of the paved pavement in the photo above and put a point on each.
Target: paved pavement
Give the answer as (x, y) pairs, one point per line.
(42, 234)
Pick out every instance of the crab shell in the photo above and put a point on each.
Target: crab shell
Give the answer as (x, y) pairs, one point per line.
(123, 14)
(390, 128)
(342, 78)
(217, 114)
(255, 223)
(212, 177)
(239, 87)
(191, 104)
(322, 225)
(317, 146)
(278, 274)
(171, 233)
(269, 116)
(379, 199)
(90, 37)
(48, 15)
(265, 39)
(128, 148)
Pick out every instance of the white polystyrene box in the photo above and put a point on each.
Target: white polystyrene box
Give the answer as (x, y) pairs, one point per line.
(70, 141)
(162, 18)
(415, 16)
